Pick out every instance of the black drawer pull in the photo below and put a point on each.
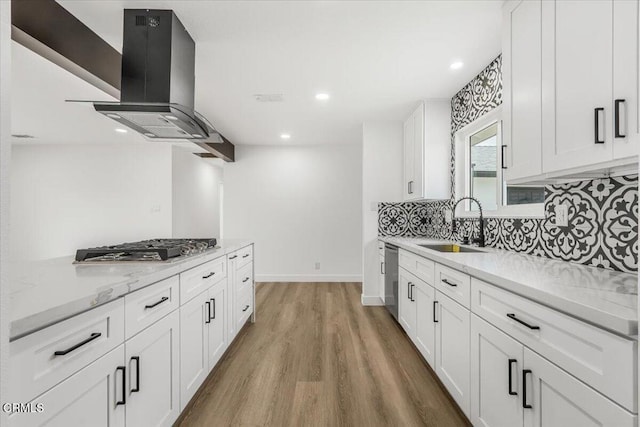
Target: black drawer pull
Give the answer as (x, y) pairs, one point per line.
(124, 388)
(381, 267)
(233, 257)
(596, 120)
(408, 290)
(513, 316)
(245, 279)
(209, 275)
(412, 286)
(245, 308)
(208, 304)
(434, 312)
(93, 336)
(163, 299)
(245, 255)
(213, 302)
(449, 283)
(511, 392)
(616, 113)
(524, 389)
(137, 359)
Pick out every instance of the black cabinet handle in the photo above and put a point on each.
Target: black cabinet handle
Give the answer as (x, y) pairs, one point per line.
(408, 290)
(511, 392)
(245, 279)
(93, 336)
(524, 389)
(245, 255)
(412, 286)
(209, 275)
(245, 308)
(137, 359)
(503, 156)
(616, 113)
(233, 257)
(124, 388)
(381, 267)
(163, 299)
(513, 316)
(449, 283)
(208, 304)
(213, 302)
(596, 119)
(434, 312)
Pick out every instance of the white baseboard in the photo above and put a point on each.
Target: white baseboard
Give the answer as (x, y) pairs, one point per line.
(308, 278)
(371, 300)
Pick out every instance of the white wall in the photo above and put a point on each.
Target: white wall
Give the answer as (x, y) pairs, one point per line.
(301, 205)
(196, 198)
(66, 197)
(381, 182)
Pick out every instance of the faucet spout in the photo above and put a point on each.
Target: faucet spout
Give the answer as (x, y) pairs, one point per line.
(480, 240)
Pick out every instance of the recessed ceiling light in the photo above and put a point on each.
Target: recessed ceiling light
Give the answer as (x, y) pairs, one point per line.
(149, 134)
(456, 65)
(113, 116)
(285, 136)
(121, 130)
(171, 117)
(322, 96)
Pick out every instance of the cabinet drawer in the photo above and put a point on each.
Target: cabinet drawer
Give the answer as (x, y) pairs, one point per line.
(454, 284)
(146, 306)
(197, 279)
(244, 278)
(33, 365)
(418, 266)
(244, 308)
(601, 359)
(245, 256)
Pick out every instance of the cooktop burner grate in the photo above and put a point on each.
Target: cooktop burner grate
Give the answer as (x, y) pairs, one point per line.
(146, 250)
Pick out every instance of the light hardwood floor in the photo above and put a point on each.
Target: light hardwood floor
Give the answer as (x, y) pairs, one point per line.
(317, 357)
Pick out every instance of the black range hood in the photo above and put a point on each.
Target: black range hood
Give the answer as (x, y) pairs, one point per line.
(158, 80)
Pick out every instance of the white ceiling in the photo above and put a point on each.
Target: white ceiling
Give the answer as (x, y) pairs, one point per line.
(375, 58)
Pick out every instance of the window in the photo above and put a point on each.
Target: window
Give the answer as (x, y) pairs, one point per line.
(479, 173)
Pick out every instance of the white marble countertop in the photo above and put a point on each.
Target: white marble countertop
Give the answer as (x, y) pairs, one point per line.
(601, 297)
(46, 292)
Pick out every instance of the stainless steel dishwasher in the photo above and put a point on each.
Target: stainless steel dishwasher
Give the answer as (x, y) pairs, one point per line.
(391, 279)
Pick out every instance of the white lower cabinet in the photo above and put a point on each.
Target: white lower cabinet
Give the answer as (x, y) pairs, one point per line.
(452, 349)
(153, 372)
(553, 397)
(202, 338)
(496, 364)
(406, 303)
(425, 336)
(94, 396)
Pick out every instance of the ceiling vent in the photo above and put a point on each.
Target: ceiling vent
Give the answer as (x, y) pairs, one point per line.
(269, 97)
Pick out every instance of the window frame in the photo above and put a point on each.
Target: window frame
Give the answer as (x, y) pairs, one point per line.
(462, 176)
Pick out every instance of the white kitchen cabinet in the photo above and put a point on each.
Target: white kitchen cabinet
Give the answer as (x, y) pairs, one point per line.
(580, 71)
(452, 349)
(406, 303)
(153, 368)
(217, 329)
(93, 396)
(496, 364)
(425, 331)
(381, 276)
(240, 278)
(194, 350)
(522, 89)
(552, 397)
(427, 151)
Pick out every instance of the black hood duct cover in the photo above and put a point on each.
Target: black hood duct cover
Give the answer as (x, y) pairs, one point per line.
(158, 80)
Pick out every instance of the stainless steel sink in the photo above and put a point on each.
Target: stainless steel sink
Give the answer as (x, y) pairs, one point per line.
(452, 248)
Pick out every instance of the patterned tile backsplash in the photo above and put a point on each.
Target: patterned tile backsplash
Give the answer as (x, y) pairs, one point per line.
(603, 218)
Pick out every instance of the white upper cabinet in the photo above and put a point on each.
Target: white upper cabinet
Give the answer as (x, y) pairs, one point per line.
(570, 74)
(427, 151)
(522, 89)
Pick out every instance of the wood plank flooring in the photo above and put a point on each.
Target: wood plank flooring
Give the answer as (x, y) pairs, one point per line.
(317, 357)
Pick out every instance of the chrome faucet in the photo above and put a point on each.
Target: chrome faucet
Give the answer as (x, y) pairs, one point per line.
(480, 239)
